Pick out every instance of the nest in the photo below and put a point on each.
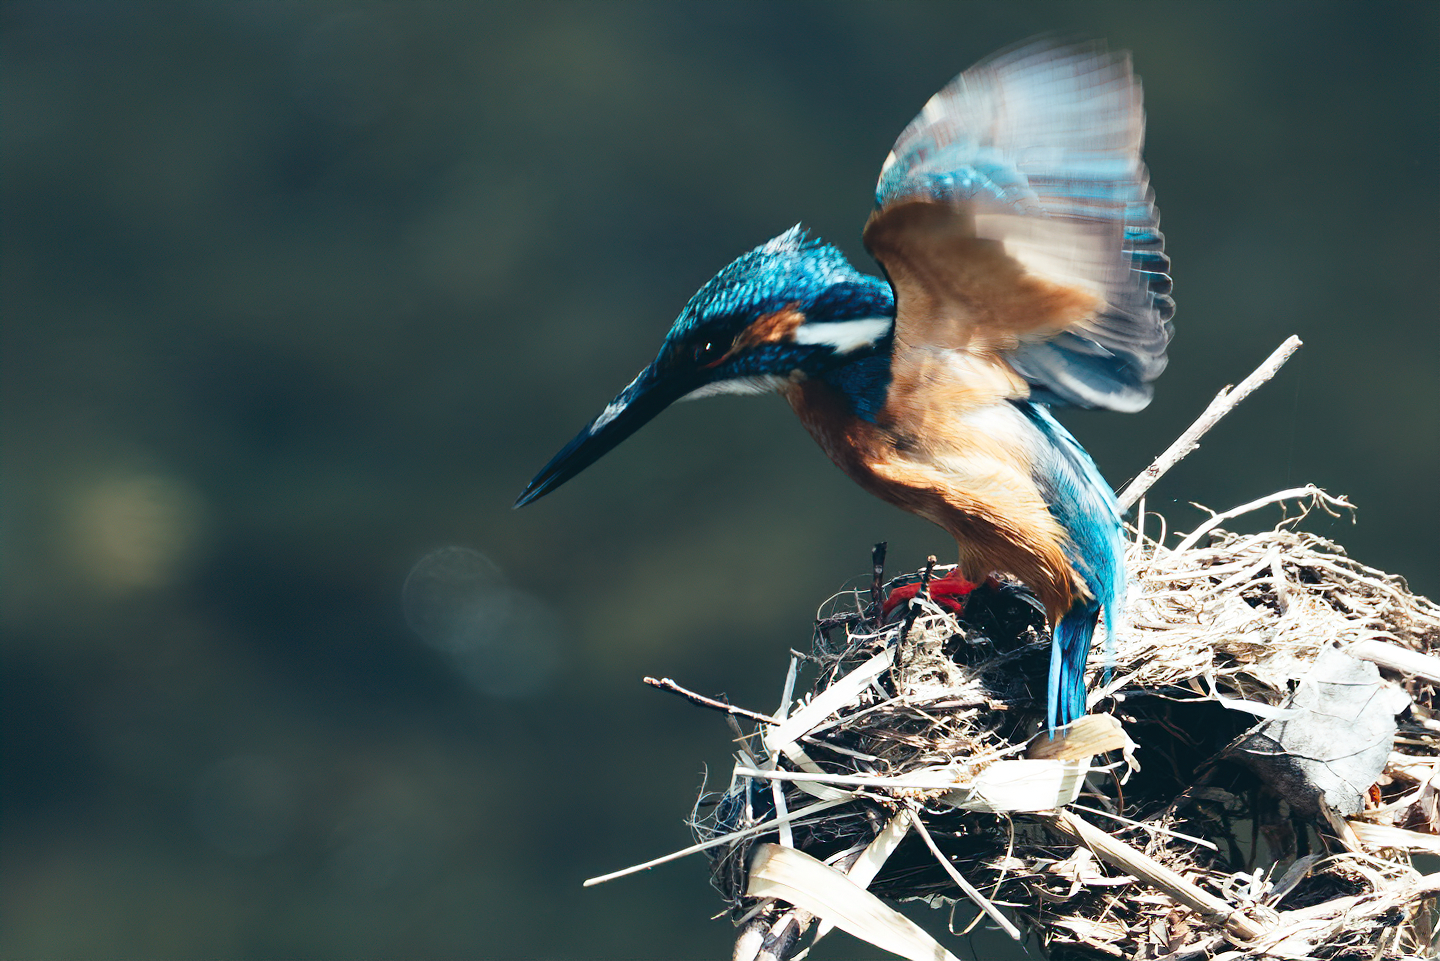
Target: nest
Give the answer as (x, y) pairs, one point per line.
(1261, 765)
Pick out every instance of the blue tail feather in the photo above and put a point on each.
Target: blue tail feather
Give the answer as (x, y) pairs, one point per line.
(1082, 502)
(1069, 648)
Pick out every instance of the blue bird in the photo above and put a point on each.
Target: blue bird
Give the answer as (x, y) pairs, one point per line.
(1024, 269)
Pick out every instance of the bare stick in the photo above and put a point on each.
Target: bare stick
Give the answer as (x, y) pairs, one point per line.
(921, 595)
(1321, 499)
(973, 893)
(761, 828)
(665, 684)
(1402, 660)
(877, 578)
(1121, 855)
(1219, 407)
(1152, 828)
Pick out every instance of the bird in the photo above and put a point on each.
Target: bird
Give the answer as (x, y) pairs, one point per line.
(1022, 269)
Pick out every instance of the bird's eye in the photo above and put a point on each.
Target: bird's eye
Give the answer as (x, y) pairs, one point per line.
(708, 352)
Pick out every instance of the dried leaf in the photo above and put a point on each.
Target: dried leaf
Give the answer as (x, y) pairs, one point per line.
(1022, 785)
(799, 879)
(873, 858)
(840, 694)
(1399, 839)
(1088, 736)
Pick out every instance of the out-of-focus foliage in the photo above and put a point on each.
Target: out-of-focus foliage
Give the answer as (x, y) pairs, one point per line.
(297, 294)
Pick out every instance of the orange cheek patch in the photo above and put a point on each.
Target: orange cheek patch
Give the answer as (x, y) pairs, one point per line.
(769, 329)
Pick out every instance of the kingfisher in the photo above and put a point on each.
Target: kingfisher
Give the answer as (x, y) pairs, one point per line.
(1023, 269)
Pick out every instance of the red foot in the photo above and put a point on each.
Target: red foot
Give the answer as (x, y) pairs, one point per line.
(949, 591)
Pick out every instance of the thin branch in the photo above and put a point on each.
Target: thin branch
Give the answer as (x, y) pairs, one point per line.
(731, 838)
(1322, 499)
(665, 684)
(1219, 407)
(972, 892)
(1152, 828)
(877, 579)
(921, 595)
(848, 617)
(1121, 855)
(1402, 660)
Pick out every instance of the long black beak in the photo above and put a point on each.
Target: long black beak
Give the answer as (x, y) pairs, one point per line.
(633, 408)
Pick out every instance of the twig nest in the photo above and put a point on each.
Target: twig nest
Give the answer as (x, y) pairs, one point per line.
(1257, 778)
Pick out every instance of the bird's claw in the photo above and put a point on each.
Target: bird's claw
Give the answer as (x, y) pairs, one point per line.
(950, 592)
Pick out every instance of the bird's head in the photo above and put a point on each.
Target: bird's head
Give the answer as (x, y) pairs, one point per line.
(791, 308)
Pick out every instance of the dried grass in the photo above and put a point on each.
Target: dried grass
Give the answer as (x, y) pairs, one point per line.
(1219, 631)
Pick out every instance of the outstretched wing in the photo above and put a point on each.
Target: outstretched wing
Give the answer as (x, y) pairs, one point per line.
(1016, 223)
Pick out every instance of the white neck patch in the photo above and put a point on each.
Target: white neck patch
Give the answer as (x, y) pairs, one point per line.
(762, 384)
(844, 336)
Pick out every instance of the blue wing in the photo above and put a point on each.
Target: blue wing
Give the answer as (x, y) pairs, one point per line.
(1014, 217)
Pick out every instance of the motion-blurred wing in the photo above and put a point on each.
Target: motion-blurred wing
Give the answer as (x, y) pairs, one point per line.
(1015, 221)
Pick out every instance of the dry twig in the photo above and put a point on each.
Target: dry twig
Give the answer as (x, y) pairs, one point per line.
(1223, 403)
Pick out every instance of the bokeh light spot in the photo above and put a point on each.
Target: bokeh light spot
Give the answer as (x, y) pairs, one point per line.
(501, 640)
(129, 532)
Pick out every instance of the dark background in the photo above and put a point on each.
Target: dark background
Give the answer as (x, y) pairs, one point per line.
(296, 293)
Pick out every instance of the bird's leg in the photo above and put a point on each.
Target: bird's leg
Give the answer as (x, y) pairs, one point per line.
(950, 592)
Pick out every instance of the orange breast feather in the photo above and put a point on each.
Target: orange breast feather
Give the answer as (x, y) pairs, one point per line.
(948, 465)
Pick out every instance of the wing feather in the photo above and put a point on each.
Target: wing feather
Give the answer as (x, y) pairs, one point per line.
(1015, 220)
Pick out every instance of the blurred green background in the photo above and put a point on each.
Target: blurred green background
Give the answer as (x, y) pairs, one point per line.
(295, 294)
